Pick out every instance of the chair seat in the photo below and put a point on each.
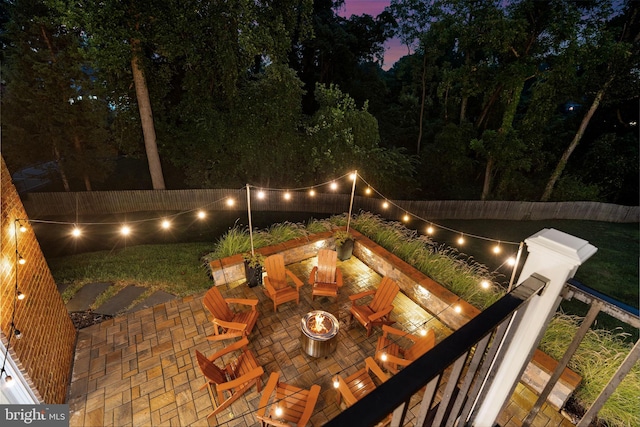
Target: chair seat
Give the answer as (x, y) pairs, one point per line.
(362, 313)
(247, 317)
(360, 384)
(325, 289)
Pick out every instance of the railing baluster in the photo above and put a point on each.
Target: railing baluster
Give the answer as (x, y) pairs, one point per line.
(450, 388)
(399, 414)
(427, 400)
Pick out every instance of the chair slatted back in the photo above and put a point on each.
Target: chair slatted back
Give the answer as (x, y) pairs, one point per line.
(387, 291)
(421, 346)
(327, 260)
(210, 370)
(217, 306)
(276, 273)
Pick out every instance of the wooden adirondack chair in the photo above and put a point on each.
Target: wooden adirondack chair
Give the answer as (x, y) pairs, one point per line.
(276, 285)
(392, 356)
(361, 383)
(378, 311)
(290, 405)
(326, 277)
(227, 384)
(226, 323)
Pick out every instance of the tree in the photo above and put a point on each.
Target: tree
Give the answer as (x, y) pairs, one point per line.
(51, 106)
(604, 59)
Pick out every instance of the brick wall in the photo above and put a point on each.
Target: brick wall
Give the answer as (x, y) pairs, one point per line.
(45, 352)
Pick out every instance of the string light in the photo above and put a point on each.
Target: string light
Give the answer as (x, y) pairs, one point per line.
(261, 194)
(202, 214)
(485, 284)
(287, 196)
(312, 192)
(496, 249)
(383, 356)
(405, 218)
(76, 231)
(457, 309)
(278, 411)
(125, 230)
(367, 191)
(22, 227)
(461, 239)
(511, 261)
(21, 260)
(20, 296)
(385, 205)
(353, 176)
(230, 202)
(430, 230)
(166, 224)
(334, 186)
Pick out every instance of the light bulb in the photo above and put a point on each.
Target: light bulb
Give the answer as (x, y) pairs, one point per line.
(405, 218)
(383, 357)
(278, 411)
(21, 260)
(9, 380)
(312, 192)
(385, 205)
(201, 214)
(287, 196)
(485, 284)
(125, 230)
(76, 232)
(496, 249)
(353, 176)
(367, 191)
(336, 383)
(260, 194)
(334, 186)
(166, 224)
(230, 202)
(423, 332)
(20, 296)
(429, 230)
(23, 228)
(17, 334)
(511, 261)
(460, 240)
(457, 309)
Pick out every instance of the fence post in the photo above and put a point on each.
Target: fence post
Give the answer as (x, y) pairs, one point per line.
(556, 256)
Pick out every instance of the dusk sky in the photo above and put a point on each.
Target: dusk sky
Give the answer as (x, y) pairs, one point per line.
(394, 49)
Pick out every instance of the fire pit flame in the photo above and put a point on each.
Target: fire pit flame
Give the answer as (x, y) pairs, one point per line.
(317, 325)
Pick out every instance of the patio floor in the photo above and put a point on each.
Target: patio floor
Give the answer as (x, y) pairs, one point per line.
(140, 369)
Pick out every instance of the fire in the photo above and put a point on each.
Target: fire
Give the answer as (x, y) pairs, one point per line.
(317, 325)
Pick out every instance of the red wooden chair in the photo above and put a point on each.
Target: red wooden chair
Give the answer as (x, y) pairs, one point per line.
(378, 311)
(290, 405)
(276, 284)
(326, 278)
(393, 356)
(226, 323)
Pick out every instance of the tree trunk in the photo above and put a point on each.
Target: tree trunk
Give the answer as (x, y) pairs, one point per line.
(488, 172)
(463, 109)
(574, 143)
(85, 176)
(146, 119)
(424, 92)
(488, 105)
(63, 176)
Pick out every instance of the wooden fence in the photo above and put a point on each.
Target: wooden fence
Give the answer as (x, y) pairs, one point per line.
(43, 205)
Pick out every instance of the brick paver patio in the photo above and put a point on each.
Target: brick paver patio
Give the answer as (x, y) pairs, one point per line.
(140, 369)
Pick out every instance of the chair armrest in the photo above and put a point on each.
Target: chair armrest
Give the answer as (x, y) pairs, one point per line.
(312, 398)
(361, 295)
(270, 289)
(266, 393)
(244, 301)
(373, 367)
(347, 395)
(381, 313)
(312, 275)
(228, 349)
(295, 279)
(338, 277)
(230, 325)
(390, 330)
(251, 375)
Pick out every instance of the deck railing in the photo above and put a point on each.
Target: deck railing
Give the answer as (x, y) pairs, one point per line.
(474, 350)
(476, 346)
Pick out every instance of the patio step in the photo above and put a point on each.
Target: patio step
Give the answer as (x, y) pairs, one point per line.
(86, 296)
(120, 301)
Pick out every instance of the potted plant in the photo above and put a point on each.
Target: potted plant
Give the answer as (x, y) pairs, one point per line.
(344, 244)
(253, 268)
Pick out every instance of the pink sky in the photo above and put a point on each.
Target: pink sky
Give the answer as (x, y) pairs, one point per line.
(394, 49)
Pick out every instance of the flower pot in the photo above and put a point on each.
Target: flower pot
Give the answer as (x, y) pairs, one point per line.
(345, 250)
(253, 275)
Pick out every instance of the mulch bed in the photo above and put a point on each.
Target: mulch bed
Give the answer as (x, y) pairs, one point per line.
(83, 319)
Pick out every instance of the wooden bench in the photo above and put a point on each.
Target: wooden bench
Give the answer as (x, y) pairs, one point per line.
(538, 372)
